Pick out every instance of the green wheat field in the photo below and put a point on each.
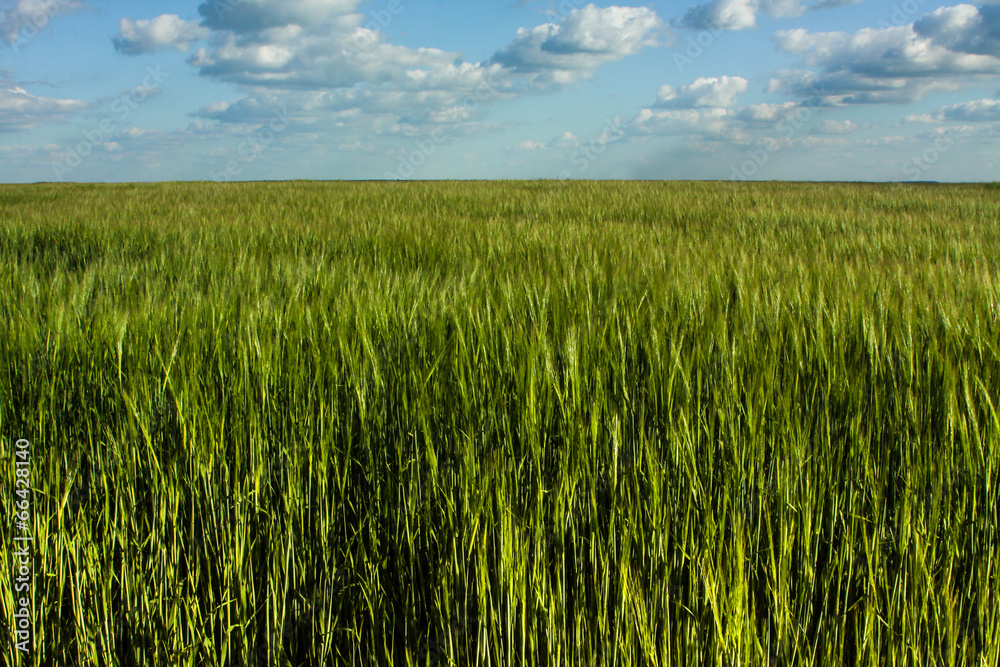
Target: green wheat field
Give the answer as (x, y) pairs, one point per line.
(503, 423)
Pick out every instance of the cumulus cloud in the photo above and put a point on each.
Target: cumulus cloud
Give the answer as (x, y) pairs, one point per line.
(294, 57)
(767, 113)
(973, 111)
(320, 58)
(706, 111)
(705, 121)
(742, 14)
(20, 110)
(560, 53)
(565, 140)
(406, 109)
(702, 107)
(251, 16)
(830, 4)
(951, 133)
(295, 45)
(147, 36)
(328, 70)
(963, 28)
(530, 145)
(830, 126)
(353, 65)
(703, 92)
(20, 17)
(721, 15)
(304, 45)
(887, 65)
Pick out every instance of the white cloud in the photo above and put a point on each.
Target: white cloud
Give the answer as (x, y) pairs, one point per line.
(973, 111)
(830, 126)
(955, 132)
(322, 45)
(447, 98)
(20, 18)
(703, 92)
(322, 57)
(963, 28)
(530, 145)
(560, 53)
(20, 110)
(920, 118)
(809, 142)
(327, 68)
(706, 121)
(251, 16)
(147, 36)
(721, 15)
(766, 113)
(340, 82)
(704, 108)
(565, 140)
(381, 110)
(888, 65)
(324, 63)
(742, 14)
(705, 112)
(893, 140)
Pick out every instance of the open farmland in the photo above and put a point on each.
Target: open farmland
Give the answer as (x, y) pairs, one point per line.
(504, 423)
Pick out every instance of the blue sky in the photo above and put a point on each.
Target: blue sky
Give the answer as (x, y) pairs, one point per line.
(426, 89)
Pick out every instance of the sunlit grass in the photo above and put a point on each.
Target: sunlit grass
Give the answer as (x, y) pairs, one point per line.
(505, 423)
